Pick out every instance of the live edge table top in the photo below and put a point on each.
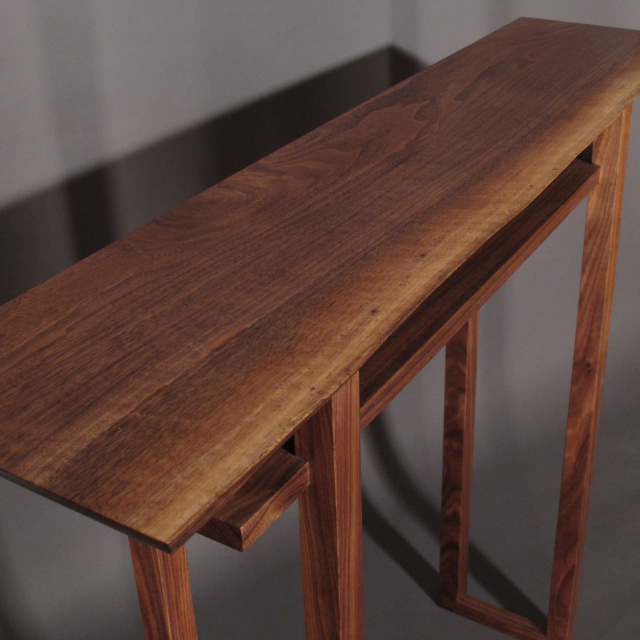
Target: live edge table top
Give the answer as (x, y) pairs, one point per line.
(141, 384)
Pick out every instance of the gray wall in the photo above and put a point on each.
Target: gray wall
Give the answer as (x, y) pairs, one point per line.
(88, 83)
(85, 82)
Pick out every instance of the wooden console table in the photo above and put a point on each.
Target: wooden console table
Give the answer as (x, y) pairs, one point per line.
(153, 385)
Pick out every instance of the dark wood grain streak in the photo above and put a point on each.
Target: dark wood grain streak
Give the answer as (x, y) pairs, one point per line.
(436, 321)
(594, 311)
(459, 410)
(331, 519)
(242, 516)
(164, 592)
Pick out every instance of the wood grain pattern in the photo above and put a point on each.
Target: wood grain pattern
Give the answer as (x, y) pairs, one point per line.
(144, 383)
(436, 321)
(457, 465)
(497, 618)
(459, 410)
(592, 331)
(331, 519)
(164, 591)
(596, 293)
(246, 513)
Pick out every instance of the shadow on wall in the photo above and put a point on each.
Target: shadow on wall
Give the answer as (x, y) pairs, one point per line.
(49, 231)
(387, 535)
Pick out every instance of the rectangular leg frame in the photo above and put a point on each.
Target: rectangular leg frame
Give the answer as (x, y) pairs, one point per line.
(596, 292)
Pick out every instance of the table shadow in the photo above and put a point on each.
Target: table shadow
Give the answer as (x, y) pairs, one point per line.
(501, 587)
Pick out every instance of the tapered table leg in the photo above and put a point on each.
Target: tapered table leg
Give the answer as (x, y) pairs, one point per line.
(609, 151)
(596, 292)
(460, 384)
(164, 591)
(331, 518)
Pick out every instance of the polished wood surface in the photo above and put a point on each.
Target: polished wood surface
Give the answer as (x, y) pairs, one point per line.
(436, 321)
(459, 411)
(592, 331)
(609, 150)
(164, 592)
(497, 618)
(153, 385)
(141, 385)
(241, 517)
(331, 518)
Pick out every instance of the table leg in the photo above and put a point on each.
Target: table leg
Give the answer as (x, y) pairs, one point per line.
(331, 518)
(609, 151)
(164, 591)
(596, 292)
(460, 387)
